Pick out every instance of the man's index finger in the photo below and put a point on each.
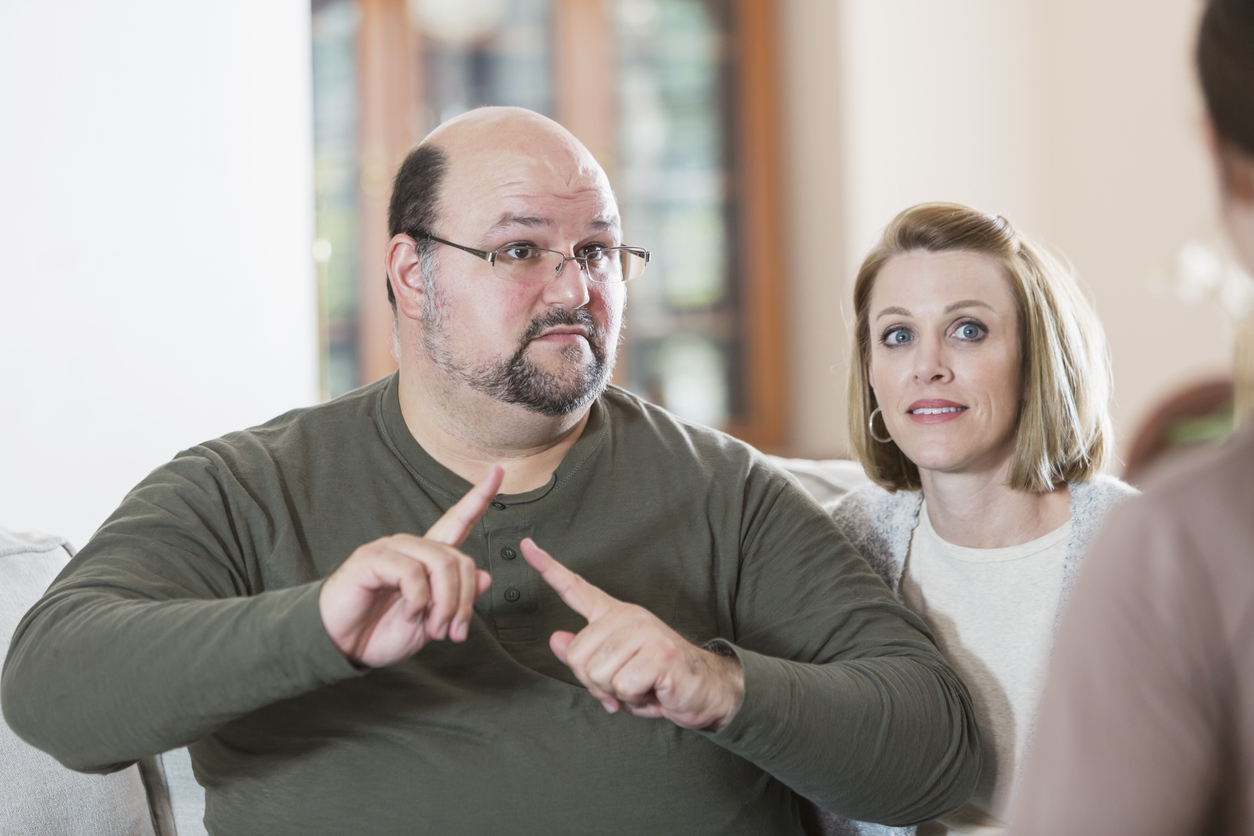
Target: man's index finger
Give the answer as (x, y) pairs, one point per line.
(579, 595)
(454, 527)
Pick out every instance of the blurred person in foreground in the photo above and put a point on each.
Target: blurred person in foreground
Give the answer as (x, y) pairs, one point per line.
(978, 405)
(1147, 723)
(266, 597)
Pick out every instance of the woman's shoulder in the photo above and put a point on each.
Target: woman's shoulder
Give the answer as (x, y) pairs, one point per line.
(1102, 487)
(874, 504)
(879, 524)
(1091, 503)
(1094, 499)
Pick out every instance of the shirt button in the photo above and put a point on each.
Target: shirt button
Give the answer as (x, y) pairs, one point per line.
(500, 506)
(512, 595)
(508, 553)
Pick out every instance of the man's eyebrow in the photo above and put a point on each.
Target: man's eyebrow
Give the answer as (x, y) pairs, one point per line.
(510, 219)
(599, 224)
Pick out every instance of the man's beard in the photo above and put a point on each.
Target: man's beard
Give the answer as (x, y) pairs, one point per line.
(518, 380)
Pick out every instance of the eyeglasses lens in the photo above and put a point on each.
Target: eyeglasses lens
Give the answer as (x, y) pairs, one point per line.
(534, 265)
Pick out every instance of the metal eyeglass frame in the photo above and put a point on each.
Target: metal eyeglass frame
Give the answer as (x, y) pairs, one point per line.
(582, 260)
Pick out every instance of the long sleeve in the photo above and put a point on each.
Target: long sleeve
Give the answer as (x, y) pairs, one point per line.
(847, 700)
(192, 616)
(166, 627)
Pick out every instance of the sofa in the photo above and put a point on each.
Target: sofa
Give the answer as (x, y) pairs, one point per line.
(38, 796)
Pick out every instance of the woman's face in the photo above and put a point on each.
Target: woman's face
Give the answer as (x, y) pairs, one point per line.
(945, 359)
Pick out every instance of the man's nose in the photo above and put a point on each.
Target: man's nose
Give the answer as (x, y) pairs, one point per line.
(570, 288)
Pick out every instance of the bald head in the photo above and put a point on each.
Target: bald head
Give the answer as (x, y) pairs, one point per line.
(492, 133)
(496, 145)
(510, 150)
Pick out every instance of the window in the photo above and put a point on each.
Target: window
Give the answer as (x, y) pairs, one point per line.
(675, 98)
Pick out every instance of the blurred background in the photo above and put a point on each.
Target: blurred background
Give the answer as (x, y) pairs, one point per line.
(193, 200)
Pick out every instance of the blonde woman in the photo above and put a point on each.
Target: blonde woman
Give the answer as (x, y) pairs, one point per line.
(978, 406)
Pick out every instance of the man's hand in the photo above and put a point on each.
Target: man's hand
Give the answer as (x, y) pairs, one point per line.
(628, 658)
(396, 594)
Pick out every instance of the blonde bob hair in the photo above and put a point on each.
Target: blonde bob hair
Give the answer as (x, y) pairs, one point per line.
(1063, 428)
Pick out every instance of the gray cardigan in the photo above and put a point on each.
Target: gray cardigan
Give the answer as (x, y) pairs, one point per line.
(880, 525)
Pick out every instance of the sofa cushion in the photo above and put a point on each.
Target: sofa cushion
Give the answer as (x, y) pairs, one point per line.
(825, 479)
(39, 796)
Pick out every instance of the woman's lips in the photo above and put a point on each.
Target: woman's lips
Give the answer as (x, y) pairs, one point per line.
(934, 411)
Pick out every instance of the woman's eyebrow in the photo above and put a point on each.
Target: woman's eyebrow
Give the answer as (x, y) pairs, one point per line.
(967, 303)
(894, 311)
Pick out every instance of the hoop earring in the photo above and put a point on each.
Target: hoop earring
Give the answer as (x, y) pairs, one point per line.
(870, 425)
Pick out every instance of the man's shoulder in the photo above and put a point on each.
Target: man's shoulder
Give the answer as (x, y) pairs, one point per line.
(629, 412)
(334, 422)
(647, 429)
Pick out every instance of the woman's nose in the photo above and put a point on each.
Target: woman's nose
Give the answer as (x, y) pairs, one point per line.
(931, 362)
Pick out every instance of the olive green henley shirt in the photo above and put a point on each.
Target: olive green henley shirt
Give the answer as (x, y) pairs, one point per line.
(192, 618)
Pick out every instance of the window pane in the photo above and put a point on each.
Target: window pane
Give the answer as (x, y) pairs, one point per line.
(493, 52)
(335, 189)
(673, 188)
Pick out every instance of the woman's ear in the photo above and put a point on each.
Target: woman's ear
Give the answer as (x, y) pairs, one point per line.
(1233, 165)
(405, 275)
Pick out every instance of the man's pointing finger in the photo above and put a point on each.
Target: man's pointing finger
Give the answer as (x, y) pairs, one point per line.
(453, 528)
(579, 595)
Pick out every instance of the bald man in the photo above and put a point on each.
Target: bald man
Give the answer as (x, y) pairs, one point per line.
(491, 593)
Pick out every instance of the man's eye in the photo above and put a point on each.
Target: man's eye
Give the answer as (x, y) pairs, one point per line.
(593, 252)
(518, 252)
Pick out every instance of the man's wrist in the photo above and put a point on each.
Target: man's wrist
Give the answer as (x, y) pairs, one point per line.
(730, 679)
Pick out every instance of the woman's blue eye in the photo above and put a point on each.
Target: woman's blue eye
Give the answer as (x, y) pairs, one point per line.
(897, 336)
(970, 331)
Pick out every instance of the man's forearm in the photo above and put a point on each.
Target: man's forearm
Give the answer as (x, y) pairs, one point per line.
(889, 739)
(98, 680)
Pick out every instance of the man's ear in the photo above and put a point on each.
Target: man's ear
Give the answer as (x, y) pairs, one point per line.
(405, 275)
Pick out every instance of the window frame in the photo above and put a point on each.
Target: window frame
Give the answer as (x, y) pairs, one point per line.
(389, 86)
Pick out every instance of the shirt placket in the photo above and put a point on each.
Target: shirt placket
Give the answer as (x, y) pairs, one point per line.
(513, 590)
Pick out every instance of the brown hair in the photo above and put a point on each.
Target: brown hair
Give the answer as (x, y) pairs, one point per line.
(1064, 423)
(1225, 66)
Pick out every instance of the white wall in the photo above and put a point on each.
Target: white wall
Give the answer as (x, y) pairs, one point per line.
(814, 230)
(1077, 119)
(1127, 183)
(156, 283)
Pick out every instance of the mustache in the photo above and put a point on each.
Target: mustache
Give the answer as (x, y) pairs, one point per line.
(563, 316)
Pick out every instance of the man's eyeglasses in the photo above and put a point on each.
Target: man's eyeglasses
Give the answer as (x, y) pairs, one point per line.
(536, 265)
